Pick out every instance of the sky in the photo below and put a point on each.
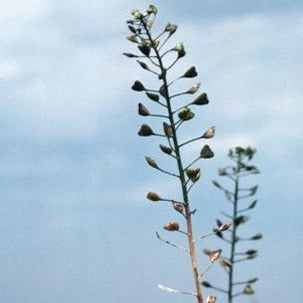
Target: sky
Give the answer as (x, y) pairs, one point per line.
(74, 222)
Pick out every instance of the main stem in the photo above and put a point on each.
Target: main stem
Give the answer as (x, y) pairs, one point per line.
(233, 242)
(188, 214)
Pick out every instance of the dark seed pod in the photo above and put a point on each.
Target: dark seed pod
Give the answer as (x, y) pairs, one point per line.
(153, 97)
(166, 149)
(206, 152)
(138, 86)
(190, 73)
(142, 110)
(145, 131)
(168, 130)
(201, 100)
(153, 197)
(206, 284)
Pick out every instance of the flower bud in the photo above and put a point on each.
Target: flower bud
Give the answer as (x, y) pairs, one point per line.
(179, 48)
(138, 86)
(142, 110)
(152, 10)
(206, 152)
(201, 100)
(137, 14)
(190, 73)
(170, 28)
(172, 226)
(145, 131)
(166, 149)
(153, 197)
(248, 290)
(194, 89)
(209, 133)
(151, 162)
(211, 299)
(132, 38)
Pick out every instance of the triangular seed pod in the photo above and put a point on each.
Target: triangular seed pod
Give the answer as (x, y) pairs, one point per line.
(190, 73)
(153, 97)
(214, 255)
(211, 299)
(248, 290)
(142, 110)
(138, 86)
(209, 133)
(206, 152)
(201, 100)
(145, 131)
(144, 48)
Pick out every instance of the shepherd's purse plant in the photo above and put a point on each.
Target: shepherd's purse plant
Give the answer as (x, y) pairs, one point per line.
(155, 57)
(240, 199)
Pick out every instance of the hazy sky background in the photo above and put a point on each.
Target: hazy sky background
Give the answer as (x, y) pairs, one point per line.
(75, 226)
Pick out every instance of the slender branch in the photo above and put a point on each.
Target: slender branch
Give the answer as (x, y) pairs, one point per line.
(183, 249)
(190, 141)
(177, 291)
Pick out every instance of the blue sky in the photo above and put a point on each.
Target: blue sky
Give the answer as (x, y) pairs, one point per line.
(74, 222)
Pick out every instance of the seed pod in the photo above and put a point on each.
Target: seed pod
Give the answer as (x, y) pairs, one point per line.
(225, 263)
(183, 113)
(240, 220)
(153, 197)
(138, 86)
(130, 55)
(142, 110)
(214, 255)
(222, 172)
(166, 149)
(168, 130)
(253, 280)
(257, 237)
(145, 131)
(206, 152)
(178, 207)
(153, 97)
(251, 252)
(190, 73)
(137, 14)
(201, 100)
(143, 65)
(211, 299)
(144, 48)
(248, 290)
(193, 174)
(206, 284)
(152, 10)
(209, 133)
(225, 226)
(151, 162)
(172, 226)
